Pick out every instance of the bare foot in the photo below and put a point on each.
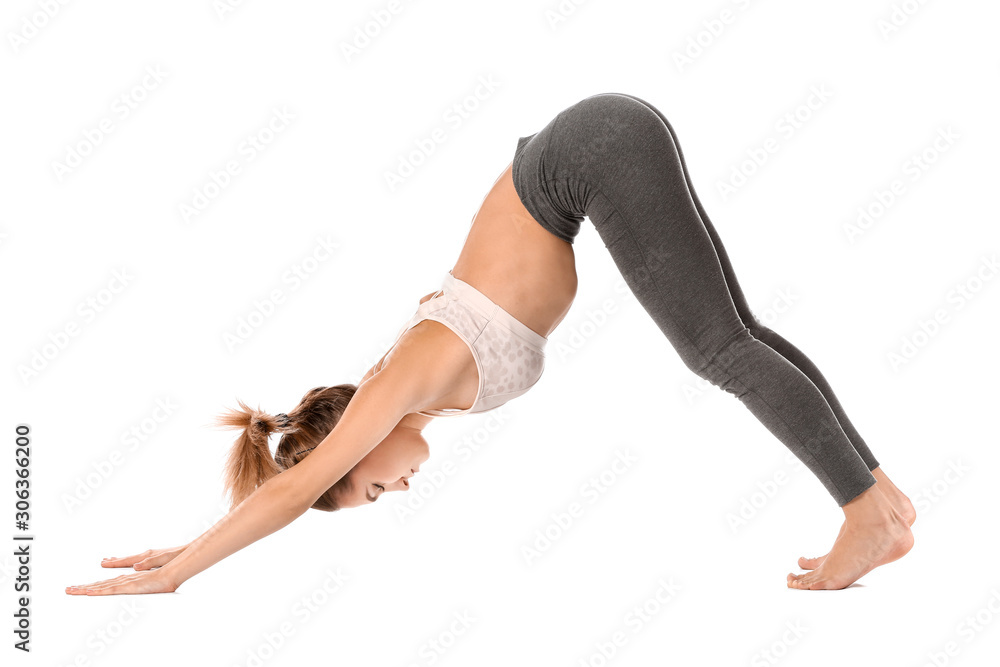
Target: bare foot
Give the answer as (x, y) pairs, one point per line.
(896, 497)
(873, 534)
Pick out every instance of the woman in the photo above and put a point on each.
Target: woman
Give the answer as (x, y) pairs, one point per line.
(479, 342)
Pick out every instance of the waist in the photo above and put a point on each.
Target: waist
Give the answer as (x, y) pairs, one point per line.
(485, 306)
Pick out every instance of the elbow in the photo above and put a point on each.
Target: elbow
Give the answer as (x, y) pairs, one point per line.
(289, 496)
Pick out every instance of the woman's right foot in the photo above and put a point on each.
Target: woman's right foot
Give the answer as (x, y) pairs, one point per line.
(896, 497)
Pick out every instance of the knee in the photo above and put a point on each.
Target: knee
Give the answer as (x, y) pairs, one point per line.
(719, 364)
(760, 331)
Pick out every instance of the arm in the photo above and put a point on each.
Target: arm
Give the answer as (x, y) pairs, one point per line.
(271, 507)
(147, 559)
(378, 365)
(374, 410)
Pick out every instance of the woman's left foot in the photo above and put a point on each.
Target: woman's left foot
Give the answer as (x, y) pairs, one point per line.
(895, 497)
(867, 540)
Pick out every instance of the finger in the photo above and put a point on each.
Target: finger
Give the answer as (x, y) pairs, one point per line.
(152, 561)
(138, 583)
(98, 589)
(118, 585)
(97, 583)
(123, 588)
(124, 561)
(103, 584)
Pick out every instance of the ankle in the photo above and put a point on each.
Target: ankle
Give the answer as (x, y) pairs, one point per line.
(870, 506)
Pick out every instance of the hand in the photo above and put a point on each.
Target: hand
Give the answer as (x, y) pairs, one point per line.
(150, 581)
(146, 560)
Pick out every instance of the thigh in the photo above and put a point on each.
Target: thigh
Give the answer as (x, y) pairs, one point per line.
(735, 291)
(637, 197)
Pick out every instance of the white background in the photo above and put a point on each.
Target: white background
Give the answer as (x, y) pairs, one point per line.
(612, 384)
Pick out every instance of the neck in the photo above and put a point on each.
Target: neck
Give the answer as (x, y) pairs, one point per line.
(415, 421)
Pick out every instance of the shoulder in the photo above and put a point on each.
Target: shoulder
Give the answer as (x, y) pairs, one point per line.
(426, 364)
(378, 365)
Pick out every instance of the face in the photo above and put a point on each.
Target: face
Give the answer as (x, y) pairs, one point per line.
(388, 467)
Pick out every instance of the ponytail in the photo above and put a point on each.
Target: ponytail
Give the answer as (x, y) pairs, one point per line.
(250, 462)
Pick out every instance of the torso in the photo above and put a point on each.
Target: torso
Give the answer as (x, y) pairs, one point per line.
(519, 265)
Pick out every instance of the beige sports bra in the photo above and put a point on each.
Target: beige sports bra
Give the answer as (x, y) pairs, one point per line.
(510, 357)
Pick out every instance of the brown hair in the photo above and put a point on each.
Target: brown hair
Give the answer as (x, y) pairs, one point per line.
(250, 462)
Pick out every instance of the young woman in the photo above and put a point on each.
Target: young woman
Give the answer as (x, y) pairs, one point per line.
(479, 341)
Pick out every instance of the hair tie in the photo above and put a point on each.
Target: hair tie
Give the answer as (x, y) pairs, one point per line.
(283, 419)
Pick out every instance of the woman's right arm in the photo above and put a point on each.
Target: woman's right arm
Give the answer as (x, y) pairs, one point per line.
(374, 410)
(271, 507)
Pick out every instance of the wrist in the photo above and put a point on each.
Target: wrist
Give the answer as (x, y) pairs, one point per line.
(168, 577)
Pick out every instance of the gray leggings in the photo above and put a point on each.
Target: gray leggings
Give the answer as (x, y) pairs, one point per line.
(615, 159)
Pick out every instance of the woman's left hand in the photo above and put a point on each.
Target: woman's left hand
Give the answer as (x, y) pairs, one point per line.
(147, 581)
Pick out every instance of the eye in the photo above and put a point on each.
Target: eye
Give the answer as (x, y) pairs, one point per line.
(379, 487)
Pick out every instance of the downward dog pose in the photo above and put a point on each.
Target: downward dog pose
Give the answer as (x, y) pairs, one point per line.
(479, 341)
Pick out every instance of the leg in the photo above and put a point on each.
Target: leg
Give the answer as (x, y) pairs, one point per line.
(900, 502)
(758, 330)
(639, 201)
(612, 160)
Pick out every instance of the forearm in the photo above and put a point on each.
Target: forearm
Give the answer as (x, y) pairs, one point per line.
(271, 507)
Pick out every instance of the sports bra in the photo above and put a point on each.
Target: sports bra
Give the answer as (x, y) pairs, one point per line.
(510, 356)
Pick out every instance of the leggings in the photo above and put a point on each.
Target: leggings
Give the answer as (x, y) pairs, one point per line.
(615, 159)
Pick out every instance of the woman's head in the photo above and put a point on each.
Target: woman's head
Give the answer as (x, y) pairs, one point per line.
(250, 463)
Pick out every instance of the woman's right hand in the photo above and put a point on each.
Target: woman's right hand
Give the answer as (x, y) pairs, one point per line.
(146, 560)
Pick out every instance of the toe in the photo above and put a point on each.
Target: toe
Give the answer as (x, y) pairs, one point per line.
(810, 563)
